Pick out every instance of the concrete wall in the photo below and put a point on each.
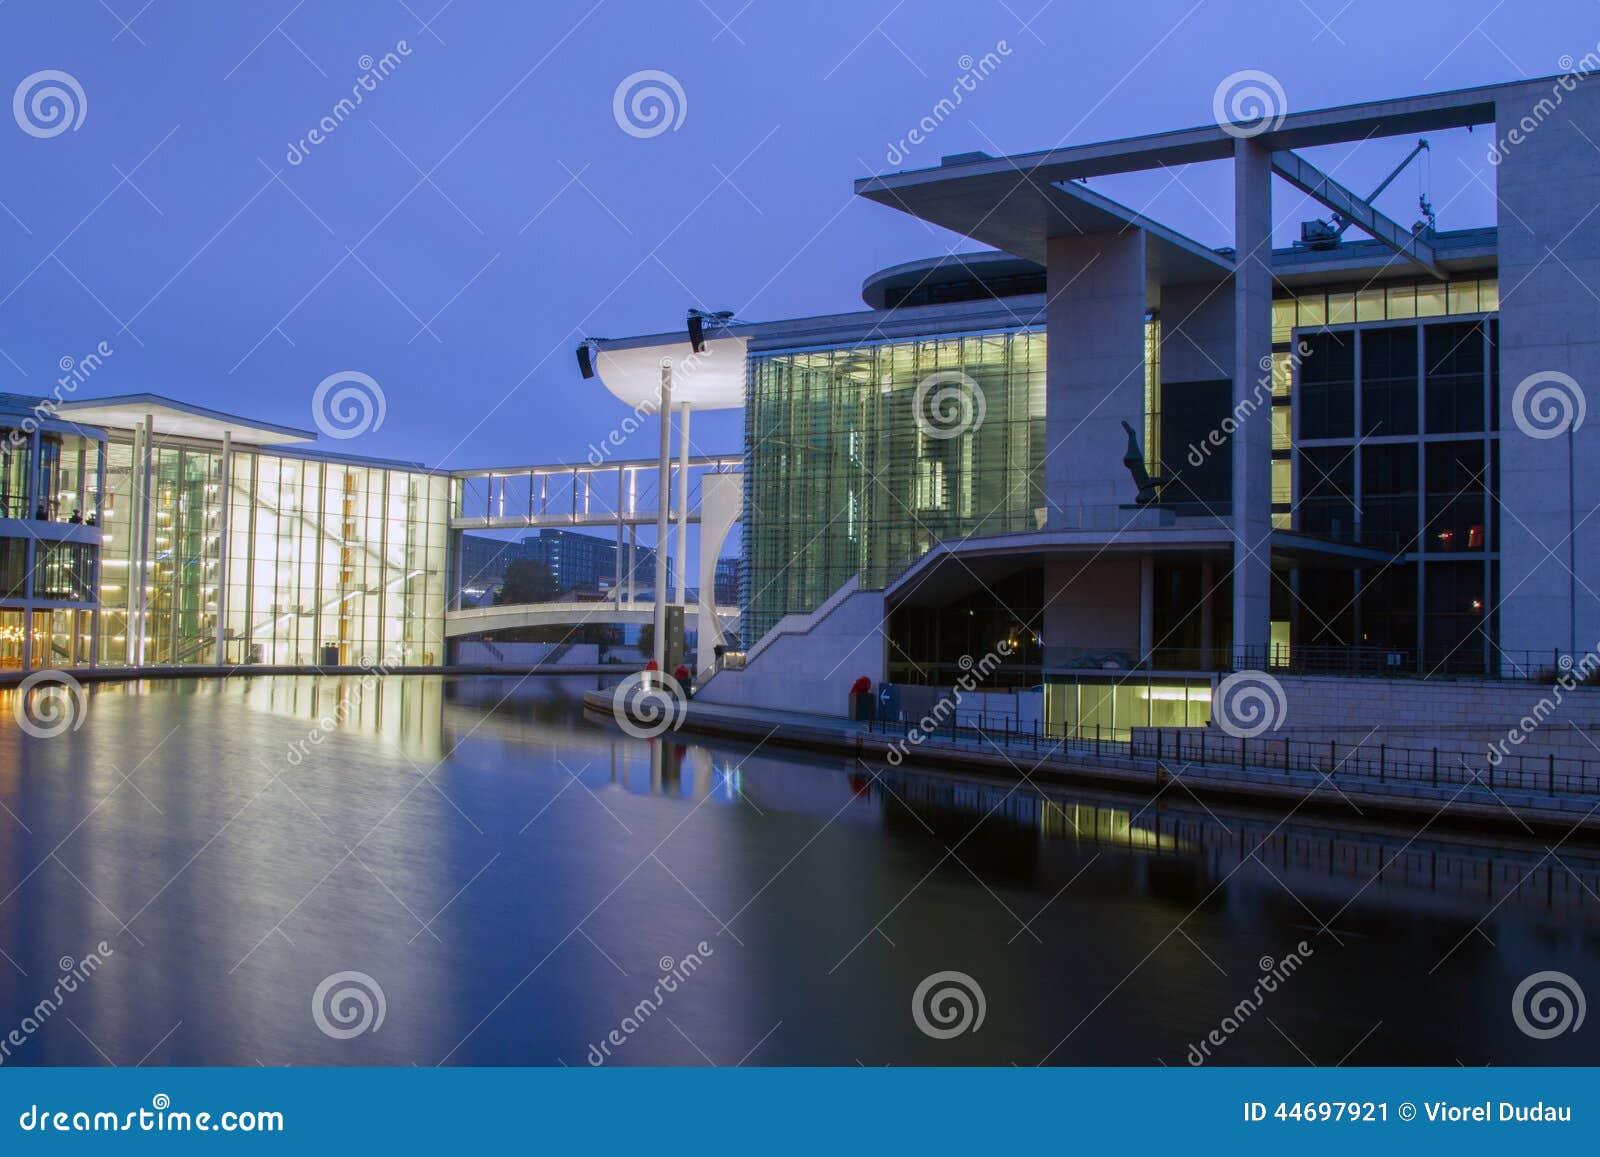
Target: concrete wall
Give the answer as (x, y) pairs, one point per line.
(471, 652)
(1547, 184)
(807, 662)
(1095, 371)
(1453, 715)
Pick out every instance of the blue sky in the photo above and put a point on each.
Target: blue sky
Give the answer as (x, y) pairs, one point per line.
(482, 208)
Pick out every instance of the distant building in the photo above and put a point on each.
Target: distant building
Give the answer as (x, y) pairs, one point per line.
(587, 562)
(483, 564)
(725, 591)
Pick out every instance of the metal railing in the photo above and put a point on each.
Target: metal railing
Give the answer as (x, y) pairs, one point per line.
(1541, 774)
(1343, 764)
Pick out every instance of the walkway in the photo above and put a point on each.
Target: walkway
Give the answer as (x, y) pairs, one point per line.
(1114, 763)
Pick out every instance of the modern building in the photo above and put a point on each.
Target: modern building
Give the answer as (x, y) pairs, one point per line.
(726, 581)
(1139, 460)
(1135, 460)
(586, 562)
(482, 564)
(143, 531)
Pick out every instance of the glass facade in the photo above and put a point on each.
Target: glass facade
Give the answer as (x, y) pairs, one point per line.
(326, 561)
(843, 476)
(1394, 404)
(49, 556)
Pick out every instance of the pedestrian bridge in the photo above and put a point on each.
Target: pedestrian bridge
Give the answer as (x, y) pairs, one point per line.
(481, 620)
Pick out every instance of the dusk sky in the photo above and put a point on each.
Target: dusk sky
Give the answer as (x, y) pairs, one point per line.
(482, 209)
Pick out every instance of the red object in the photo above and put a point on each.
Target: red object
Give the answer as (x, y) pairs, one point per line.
(681, 674)
(861, 686)
(651, 666)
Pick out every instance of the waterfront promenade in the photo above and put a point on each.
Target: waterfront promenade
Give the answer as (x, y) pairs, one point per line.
(1440, 788)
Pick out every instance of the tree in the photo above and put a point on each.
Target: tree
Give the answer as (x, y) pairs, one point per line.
(647, 639)
(527, 580)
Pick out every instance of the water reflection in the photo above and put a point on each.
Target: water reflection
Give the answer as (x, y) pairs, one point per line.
(513, 873)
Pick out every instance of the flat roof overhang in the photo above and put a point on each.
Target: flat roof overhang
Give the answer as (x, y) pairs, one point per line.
(1018, 213)
(954, 569)
(178, 419)
(1016, 203)
(712, 380)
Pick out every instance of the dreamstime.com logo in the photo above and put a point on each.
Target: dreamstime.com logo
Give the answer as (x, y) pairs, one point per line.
(1548, 404)
(948, 1004)
(1248, 703)
(348, 404)
(1248, 103)
(649, 703)
(1274, 975)
(944, 710)
(1548, 1004)
(674, 974)
(948, 404)
(648, 103)
(48, 103)
(50, 703)
(348, 1004)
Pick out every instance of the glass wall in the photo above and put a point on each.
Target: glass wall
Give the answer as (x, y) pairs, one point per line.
(1111, 707)
(854, 465)
(1394, 396)
(327, 562)
(335, 563)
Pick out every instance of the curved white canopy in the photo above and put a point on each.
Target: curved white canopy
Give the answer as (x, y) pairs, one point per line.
(710, 380)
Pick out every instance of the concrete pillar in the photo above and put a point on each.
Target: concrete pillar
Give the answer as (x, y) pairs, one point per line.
(1252, 439)
(633, 545)
(721, 501)
(224, 506)
(1549, 254)
(682, 552)
(663, 502)
(1147, 606)
(616, 562)
(1094, 374)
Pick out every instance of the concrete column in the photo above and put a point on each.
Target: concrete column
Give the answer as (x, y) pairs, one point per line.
(663, 502)
(224, 507)
(633, 545)
(1147, 606)
(1549, 252)
(1252, 439)
(1094, 374)
(31, 483)
(147, 527)
(721, 501)
(616, 563)
(1208, 619)
(682, 551)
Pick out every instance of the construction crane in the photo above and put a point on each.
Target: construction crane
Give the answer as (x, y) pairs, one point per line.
(1321, 233)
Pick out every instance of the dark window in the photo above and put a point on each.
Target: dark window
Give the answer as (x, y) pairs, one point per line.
(1389, 381)
(1454, 385)
(1456, 497)
(1389, 496)
(1327, 487)
(1325, 393)
(13, 567)
(1326, 608)
(1389, 608)
(1456, 618)
(1199, 470)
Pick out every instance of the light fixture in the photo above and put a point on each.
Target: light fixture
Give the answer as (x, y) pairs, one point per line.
(588, 354)
(697, 326)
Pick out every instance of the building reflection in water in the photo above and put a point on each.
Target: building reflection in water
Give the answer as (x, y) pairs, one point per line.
(1009, 831)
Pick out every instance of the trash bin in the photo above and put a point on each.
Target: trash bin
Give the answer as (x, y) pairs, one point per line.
(330, 654)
